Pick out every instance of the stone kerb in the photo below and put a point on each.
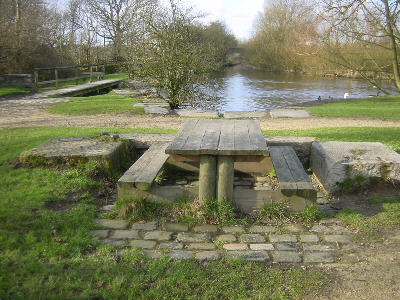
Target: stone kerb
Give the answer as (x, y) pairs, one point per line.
(334, 162)
(320, 243)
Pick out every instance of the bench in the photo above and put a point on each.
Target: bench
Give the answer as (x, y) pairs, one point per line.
(144, 171)
(292, 178)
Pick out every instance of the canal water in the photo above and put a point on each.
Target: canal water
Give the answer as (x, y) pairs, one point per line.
(241, 90)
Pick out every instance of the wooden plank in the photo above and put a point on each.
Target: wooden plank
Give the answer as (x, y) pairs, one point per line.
(295, 166)
(281, 168)
(189, 158)
(143, 172)
(193, 143)
(211, 137)
(226, 145)
(181, 138)
(256, 137)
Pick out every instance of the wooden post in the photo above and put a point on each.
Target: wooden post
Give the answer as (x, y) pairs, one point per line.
(36, 79)
(207, 177)
(56, 77)
(225, 178)
(91, 73)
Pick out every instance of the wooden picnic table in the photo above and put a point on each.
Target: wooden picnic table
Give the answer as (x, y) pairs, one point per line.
(218, 144)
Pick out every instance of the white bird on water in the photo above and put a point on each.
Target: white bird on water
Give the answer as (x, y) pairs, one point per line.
(346, 95)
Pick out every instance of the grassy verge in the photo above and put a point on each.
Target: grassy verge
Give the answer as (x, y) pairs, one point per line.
(65, 84)
(383, 108)
(99, 104)
(386, 135)
(47, 252)
(12, 91)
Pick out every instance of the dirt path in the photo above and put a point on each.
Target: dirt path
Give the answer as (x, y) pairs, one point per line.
(30, 112)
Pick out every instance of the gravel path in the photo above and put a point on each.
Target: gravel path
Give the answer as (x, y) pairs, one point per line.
(32, 111)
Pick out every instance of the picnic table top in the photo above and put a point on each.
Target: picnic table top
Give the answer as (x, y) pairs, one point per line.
(219, 137)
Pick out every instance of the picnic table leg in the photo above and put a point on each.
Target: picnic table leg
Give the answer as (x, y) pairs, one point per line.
(207, 178)
(225, 178)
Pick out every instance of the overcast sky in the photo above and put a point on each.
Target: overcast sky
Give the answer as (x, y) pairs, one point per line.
(238, 15)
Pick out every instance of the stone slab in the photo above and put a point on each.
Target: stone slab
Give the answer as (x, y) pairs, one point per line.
(235, 247)
(113, 242)
(285, 247)
(318, 257)
(258, 247)
(321, 248)
(283, 238)
(76, 151)
(171, 245)
(158, 235)
(226, 238)
(144, 141)
(156, 110)
(196, 113)
(145, 226)
(252, 238)
(101, 234)
(249, 255)
(286, 256)
(180, 254)
(233, 229)
(207, 255)
(152, 253)
(188, 237)
(262, 229)
(245, 114)
(334, 162)
(309, 238)
(113, 224)
(142, 244)
(342, 239)
(294, 228)
(124, 234)
(289, 113)
(201, 246)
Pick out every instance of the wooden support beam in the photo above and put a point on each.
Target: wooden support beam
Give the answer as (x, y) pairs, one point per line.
(207, 177)
(225, 178)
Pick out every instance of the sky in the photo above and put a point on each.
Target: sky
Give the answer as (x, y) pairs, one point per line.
(238, 15)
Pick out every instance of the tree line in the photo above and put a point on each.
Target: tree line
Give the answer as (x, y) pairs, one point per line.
(357, 38)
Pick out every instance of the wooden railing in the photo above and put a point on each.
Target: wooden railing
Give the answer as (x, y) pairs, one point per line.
(96, 71)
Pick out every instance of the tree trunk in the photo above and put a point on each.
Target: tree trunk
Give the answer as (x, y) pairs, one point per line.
(395, 62)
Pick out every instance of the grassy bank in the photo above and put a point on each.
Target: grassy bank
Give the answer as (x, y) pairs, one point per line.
(47, 251)
(386, 135)
(383, 108)
(100, 104)
(8, 91)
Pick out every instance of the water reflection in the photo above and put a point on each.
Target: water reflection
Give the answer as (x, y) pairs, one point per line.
(241, 90)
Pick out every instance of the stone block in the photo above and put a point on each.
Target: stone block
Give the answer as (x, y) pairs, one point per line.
(289, 113)
(318, 257)
(205, 228)
(171, 245)
(207, 255)
(322, 229)
(152, 253)
(262, 229)
(142, 244)
(201, 246)
(101, 234)
(110, 156)
(341, 239)
(294, 228)
(249, 255)
(252, 238)
(235, 247)
(260, 247)
(285, 247)
(113, 242)
(334, 162)
(158, 235)
(180, 254)
(189, 237)
(226, 238)
(233, 229)
(124, 234)
(157, 109)
(286, 256)
(176, 227)
(309, 238)
(321, 248)
(145, 226)
(113, 224)
(283, 238)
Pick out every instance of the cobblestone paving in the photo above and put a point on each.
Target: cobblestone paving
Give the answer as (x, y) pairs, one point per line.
(319, 243)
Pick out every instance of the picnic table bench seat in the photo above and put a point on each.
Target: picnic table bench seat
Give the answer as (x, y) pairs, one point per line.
(292, 178)
(144, 171)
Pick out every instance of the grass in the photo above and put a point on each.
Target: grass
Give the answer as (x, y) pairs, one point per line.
(386, 135)
(7, 91)
(383, 108)
(48, 253)
(100, 104)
